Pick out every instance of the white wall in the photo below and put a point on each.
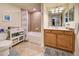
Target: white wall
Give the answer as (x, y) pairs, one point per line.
(45, 15)
(14, 12)
(76, 19)
(42, 26)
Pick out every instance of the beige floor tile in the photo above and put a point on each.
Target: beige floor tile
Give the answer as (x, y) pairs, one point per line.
(28, 49)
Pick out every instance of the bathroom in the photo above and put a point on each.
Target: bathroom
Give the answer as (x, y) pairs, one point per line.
(34, 29)
(23, 24)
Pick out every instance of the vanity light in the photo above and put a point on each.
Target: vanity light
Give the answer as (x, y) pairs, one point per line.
(60, 11)
(53, 10)
(57, 10)
(61, 8)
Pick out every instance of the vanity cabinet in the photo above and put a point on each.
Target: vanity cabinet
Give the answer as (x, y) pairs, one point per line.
(59, 39)
(65, 42)
(50, 39)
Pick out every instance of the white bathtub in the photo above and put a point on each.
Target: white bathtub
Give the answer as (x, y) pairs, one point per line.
(34, 37)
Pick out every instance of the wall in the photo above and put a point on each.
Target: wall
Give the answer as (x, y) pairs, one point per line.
(71, 23)
(35, 21)
(76, 20)
(42, 26)
(29, 25)
(14, 12)
(45, 15)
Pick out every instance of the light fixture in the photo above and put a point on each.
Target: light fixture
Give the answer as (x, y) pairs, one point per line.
(53, 11)
(60, 11)
(57, 10)
(61, 8)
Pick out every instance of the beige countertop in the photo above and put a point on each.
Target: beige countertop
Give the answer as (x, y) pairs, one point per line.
(58, 28)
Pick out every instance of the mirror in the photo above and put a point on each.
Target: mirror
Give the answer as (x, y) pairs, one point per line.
(58, 16)
(66, 17)
(55, 16)
(69, 15)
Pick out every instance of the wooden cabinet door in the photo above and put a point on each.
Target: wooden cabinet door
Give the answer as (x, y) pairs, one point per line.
(50, 39)
(64, 42)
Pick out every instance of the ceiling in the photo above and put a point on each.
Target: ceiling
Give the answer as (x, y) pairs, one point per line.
(28, 6)
(37, 6)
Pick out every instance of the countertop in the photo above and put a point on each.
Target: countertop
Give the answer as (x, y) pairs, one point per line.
(58, 28)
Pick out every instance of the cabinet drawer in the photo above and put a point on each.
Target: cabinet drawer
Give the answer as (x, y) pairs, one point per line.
(54, 31)
(68, 32)
(47, 31)
(50, 31)
(60, 32)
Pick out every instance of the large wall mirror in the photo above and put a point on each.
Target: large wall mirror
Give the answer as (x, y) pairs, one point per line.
(59, 15)
(55, 16)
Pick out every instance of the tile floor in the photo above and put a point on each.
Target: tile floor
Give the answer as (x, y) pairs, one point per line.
(28, 49)
(31, 49)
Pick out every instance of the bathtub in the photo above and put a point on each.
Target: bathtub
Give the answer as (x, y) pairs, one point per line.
(34, 37)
